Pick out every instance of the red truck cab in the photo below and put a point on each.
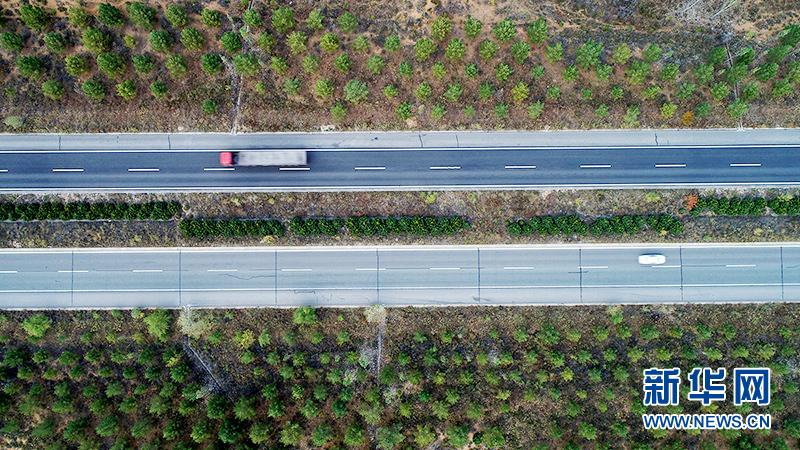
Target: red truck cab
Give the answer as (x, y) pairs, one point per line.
(226, 159)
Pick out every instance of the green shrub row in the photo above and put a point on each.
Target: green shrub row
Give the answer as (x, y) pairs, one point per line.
(205, 228)
(378, 226)
(614, 225)
(748, 206)
(89, 211)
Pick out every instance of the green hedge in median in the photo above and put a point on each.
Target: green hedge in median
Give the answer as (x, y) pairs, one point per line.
(747, 206)
(89, 211)
(601, 226)
(379, 226)
(205, 228)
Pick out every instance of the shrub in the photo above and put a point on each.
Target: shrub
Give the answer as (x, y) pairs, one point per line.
(252, 18)
(570, 73)
(501, 110)
(637, 72)
(668, 110)
(555, 52)
(324, 88)
(504, 30)
(389, 437)
(392, 43)
(652, 53)
(520, 92)
(423, 92)
(487, 49)
(471, 71)
(360, 44)
(31, 67)
(78, 17)
(404, 111)
(158, 324)
(53, 89)
(669, 72)
(231, 42)
(34, 17)
(455, 50)
(588, 54)
(390, 91)
(296, 41)
(283, 19)
(55, 42)
(453, 92)
(246, 64)
(621, 54)
(472, 27)
(176, 15)
(535, 110)
(96, 41)
(94, 89)
(192, 39)
(311, 64)
(520, 51)
(291, 86)
(158, 89)
(704, 73)
(177, 66)
(329, 42)
(126, 90)
(36, 326)
(338, 111)
(111, 64)
(160, 41)
(343, 62)
(210, 107)
(314, 20)
(720, 91)
(375, 64)
(211, 63)
(347, 22)
(211, 18)
(141, 15)
(553, 93)
(143, 64)
(441, 28)
(356, 91)
(11, 42)
(503, 72)
(423, 49)
(405, 69)
(738, 109)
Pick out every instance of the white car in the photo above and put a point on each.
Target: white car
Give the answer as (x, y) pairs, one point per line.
(652, 259)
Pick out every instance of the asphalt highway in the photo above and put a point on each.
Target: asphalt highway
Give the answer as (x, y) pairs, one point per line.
(357, 276)
(402, 161)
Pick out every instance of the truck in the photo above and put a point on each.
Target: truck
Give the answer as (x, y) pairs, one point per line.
(263, 158)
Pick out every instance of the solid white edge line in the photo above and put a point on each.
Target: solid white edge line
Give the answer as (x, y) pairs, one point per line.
(65, 169)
